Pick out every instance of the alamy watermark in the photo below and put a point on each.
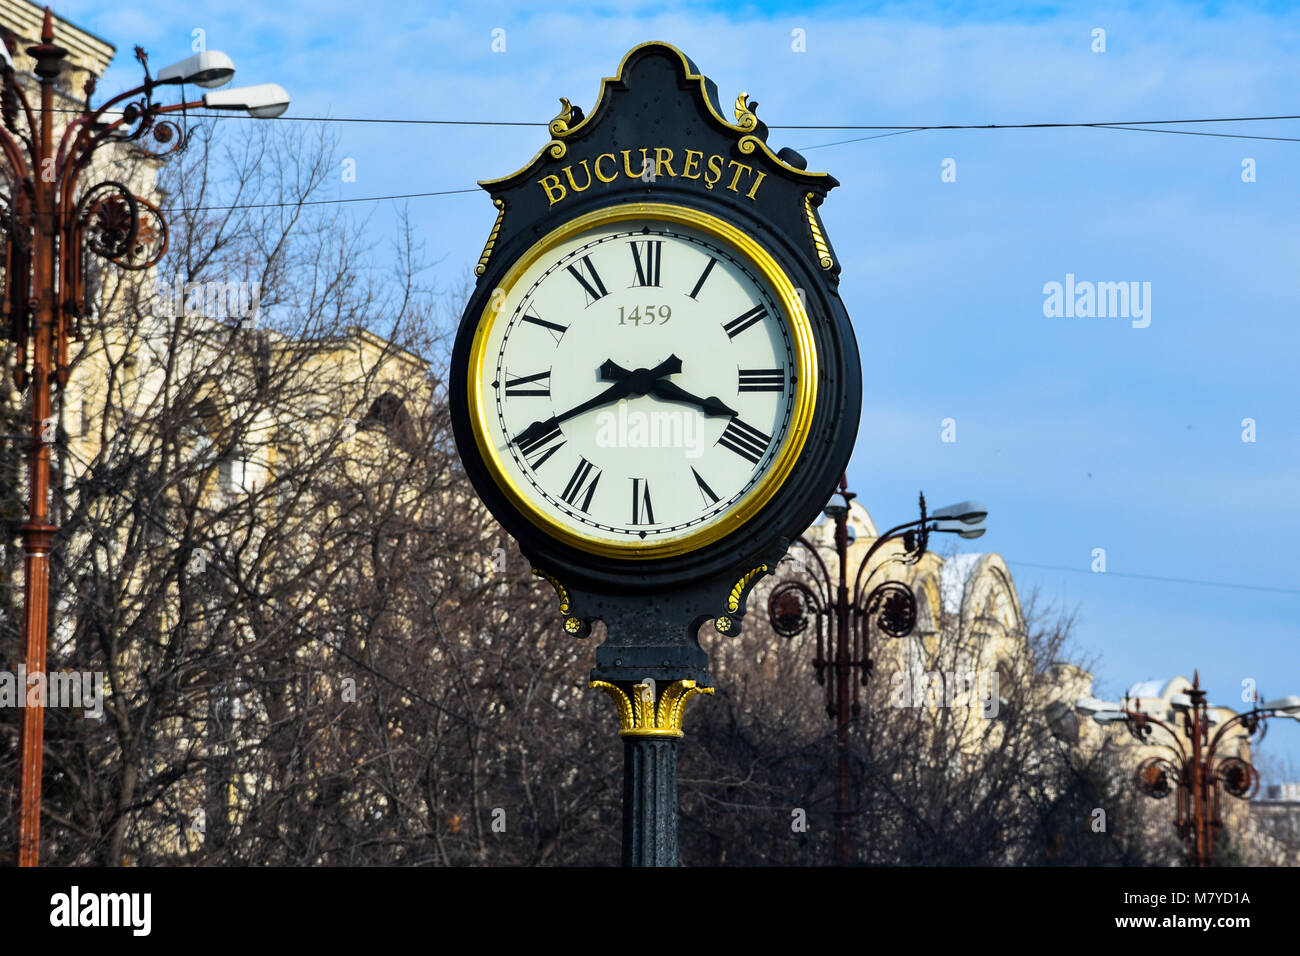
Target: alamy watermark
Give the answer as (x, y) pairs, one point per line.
(918, 688)
(54, 689)
(213, 300)
(1103, 300)
(74, 908)
(625, 428)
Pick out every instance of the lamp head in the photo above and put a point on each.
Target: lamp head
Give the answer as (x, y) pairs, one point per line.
(208, 69)
(837, 507)
(967, 512)
(264, 101)
(959, 528)
(1091, 705)
(1288, 706)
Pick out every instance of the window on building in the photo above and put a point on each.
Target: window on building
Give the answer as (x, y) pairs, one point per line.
(388, 412)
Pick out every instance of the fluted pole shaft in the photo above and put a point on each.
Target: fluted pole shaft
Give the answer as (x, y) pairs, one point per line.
(649, 801)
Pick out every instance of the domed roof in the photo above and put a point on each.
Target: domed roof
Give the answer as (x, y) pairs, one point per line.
(1148, 688)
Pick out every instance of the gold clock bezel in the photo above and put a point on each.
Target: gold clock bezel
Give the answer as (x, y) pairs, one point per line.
(805, 361)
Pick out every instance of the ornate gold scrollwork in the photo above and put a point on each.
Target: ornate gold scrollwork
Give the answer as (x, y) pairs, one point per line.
(746, 113)
(568, 117)
(819, 240)
(733, 600)
(492, 237)
(638, 716)
(560, 592)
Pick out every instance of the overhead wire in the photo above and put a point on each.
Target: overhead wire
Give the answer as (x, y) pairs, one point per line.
(1157, 577)
(1140, 126)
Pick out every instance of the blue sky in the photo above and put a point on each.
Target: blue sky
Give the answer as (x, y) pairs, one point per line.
(1079, 433)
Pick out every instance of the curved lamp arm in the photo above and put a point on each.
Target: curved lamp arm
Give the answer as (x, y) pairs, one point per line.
(1138, 724)
(1254, 720)
(20, 94)
(825, 580)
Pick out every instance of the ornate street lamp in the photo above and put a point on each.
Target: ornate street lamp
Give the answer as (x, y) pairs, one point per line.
(51, 219)
(1196, 777)
(793, 604)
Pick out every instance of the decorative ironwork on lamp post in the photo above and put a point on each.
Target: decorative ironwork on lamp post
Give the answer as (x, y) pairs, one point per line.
(1196, 773)
(52, 221)
(793, 604)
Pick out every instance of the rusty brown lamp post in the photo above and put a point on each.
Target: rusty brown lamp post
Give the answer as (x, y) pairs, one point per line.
(794, 604)
(1195, 772)
(53, 220)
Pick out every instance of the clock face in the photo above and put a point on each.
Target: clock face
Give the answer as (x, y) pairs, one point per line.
(637, 383)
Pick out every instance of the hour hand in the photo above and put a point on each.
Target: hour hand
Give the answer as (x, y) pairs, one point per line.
(669, 366)
(674, 393)
(611, 371)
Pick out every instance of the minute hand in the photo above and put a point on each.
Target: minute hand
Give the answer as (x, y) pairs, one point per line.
(674, 393)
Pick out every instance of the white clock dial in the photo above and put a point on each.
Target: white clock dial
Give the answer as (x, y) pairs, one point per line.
(638, 381)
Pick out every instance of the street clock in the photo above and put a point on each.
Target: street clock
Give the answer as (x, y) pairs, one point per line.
(655, 385)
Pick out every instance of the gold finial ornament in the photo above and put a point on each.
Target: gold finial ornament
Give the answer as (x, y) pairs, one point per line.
(819, 240)
(568, 117)
(746, 112)
(638, 716)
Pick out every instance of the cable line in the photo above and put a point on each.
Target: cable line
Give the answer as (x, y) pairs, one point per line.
(795, 126)
(320, 202)
(1156, 577)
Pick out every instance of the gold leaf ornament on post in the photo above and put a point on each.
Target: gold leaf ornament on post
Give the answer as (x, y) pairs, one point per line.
(638, 716)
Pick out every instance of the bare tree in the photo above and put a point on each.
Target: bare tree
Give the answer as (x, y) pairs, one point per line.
(950, 766)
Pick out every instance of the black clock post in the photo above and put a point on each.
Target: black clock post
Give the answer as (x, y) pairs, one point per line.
(657, 148)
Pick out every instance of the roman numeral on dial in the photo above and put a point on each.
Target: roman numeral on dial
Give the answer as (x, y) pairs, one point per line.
(582, 484)
(647, 257)
(642, 512)
(589, 279)
(740, 323)
(541, 446)
(707, 493)
(762, 380)
(519, 386)
(703, 276)
(554, 328)
(747, 442)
